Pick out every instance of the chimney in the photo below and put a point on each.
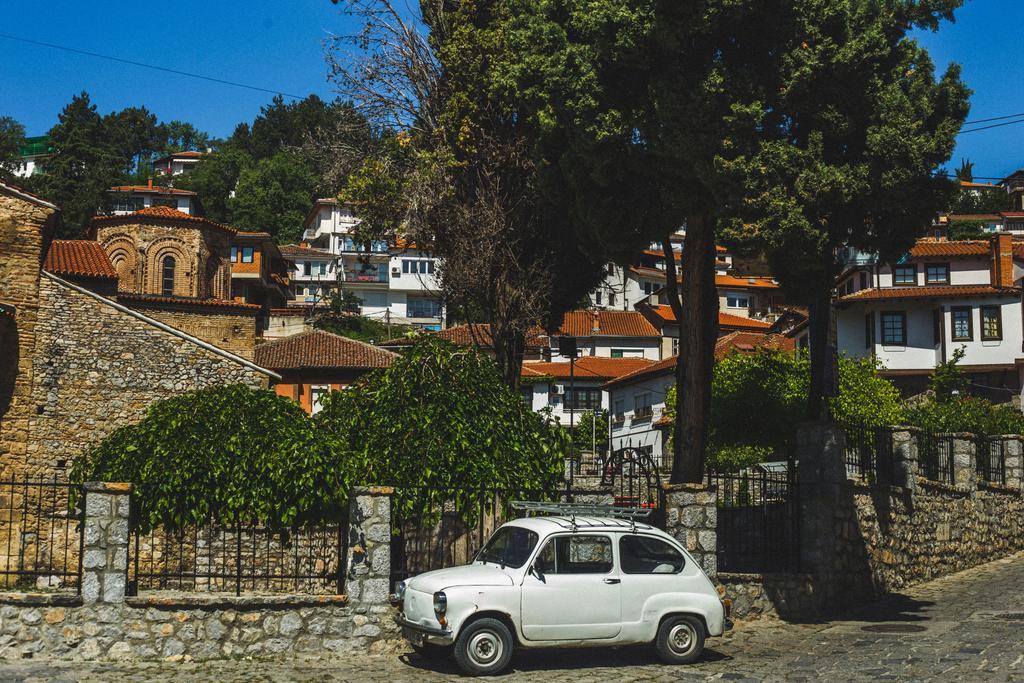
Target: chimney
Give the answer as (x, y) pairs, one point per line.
(595, 325)
(1002, 260)
(151, 182)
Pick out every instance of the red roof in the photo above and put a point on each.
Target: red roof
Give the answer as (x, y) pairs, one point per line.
(926, 248)
(319, 349)
(188, 301)
(752, 282)
(749, 342)
(155, 189)
(662, 367)
(82, 258)
(163, 213)
(297, 250)
(607, 323)
(927, 292)
(587, 367)
(726, 320)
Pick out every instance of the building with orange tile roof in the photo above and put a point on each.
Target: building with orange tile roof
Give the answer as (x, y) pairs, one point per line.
(563, 388)
(943, 295)
(610, 334)
(125, 199)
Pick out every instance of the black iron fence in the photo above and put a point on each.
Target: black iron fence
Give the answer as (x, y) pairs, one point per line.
(239, 558)
(991, 459)
(935, 454)
(868, 455)
(758, 521)
(41, 534)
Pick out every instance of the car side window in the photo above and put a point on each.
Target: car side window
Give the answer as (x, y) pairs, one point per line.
(576, 554)
(646, 555)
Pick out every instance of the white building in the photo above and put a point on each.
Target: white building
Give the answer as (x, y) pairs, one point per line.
(178, 163)
(637, 401)
(611, 334)
(394, 281)
(563, 390)
(30, 153)
(313, 274)
(942, 296)
(125, 199)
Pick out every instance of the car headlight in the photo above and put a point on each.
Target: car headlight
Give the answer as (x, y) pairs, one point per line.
(398, 597)
(440, 603)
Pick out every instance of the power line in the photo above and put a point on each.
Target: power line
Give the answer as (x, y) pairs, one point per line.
(994, 118)
(994, 125)
(150, 66)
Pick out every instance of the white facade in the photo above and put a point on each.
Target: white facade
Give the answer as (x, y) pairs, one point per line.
(636, 408)
(395, 284)
(551, 396)
(129, 199)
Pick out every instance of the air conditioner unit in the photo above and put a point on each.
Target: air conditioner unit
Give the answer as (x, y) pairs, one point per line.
(559, 389)
(396, 271)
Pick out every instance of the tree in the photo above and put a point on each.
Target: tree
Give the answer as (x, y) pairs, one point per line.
(849, 141)
(223, 455)
(12, 134)
(137, 137)
(214, 178)
(84, 164)
(282, 126)
(591, 432)
(274, 195)
(439, 422)
(949, 381)
(181, 136)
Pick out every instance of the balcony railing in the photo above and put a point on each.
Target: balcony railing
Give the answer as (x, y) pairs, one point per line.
(366, 277)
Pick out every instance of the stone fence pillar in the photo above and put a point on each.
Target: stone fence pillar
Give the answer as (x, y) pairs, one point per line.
(904, 456)
(965, 470)
(105, 546)
(369, 546)
(1013, 451)
(691, 517)
(824, 515)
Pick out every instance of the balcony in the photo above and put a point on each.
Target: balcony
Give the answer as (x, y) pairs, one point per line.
(424, 309)
(367, 277)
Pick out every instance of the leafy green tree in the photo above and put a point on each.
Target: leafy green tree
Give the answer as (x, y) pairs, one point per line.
(138, 137)
(832, 169)
(274, 195)
(282, 126)
(181, 136)
(966, 230)
(948, 380)
(223, 455)
(214, 179)
(12, 134)
(360, 327)
(591, 432)
(85, 163)
(966, 414)
(440, 422)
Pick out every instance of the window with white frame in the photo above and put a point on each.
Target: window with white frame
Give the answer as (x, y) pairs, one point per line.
(627, 353)
(737, 300)
(317, 394)
(642, 406)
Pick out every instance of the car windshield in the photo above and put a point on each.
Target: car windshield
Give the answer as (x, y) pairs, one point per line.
(510, 546)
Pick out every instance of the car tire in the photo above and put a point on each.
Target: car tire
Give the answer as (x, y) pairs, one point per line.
(484, 647)
(680, 640)
(433, 652)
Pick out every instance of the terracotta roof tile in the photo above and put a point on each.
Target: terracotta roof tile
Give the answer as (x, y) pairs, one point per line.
(297, 250)
(162, 213)
(474, 334)
(587, 367)
(188, 301)
(319, 349)
(662, 367)
(749, 342)
(927, 292)
(728, 320)
(752, 282)
(607, 323)
(928, 248)
(84, 258)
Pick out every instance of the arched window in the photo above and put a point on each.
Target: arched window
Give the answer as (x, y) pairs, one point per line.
(167, 279)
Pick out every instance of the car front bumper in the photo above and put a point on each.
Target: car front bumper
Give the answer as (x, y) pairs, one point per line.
(418, 634)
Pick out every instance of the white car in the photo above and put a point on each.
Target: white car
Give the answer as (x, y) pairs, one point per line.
(563, 581)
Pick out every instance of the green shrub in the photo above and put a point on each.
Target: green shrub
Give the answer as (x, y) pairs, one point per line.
(966, 414)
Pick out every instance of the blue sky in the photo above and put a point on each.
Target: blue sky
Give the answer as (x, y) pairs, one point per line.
(278, 45)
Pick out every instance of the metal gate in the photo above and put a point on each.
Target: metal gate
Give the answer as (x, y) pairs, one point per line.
(633, 478)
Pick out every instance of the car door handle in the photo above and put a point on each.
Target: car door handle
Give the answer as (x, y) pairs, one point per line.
(613, 580)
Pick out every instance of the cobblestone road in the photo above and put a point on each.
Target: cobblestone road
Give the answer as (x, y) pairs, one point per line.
(969, 626)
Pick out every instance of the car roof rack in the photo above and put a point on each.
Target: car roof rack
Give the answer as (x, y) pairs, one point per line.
(574, 509)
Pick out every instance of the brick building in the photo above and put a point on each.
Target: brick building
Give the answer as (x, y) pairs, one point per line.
(75, 364)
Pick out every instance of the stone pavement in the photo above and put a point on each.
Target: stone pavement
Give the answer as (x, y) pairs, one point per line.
(967, 626)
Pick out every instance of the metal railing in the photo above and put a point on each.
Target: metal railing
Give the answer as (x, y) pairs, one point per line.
(936, 457)
(758, 521)
(868, 455)
(41, 534)
(990, 459)
(239, 558)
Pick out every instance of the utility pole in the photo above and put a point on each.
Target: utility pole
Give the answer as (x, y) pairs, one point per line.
(387, 320)
(567, 348)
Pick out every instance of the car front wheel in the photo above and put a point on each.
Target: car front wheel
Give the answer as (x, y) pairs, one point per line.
(484, 647)
(680, 640)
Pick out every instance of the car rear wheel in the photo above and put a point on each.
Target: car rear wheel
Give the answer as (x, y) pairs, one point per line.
(484, 647)
(680, 640)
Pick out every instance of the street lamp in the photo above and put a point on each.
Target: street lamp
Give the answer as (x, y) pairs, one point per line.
(567, 349)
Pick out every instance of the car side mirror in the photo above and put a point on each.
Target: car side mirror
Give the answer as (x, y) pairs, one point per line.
(536, 571)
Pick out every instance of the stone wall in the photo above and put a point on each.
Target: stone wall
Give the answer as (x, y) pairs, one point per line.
(859, 539)
(102, 623)
(691, 517)
(787, 596)
(232, 332)
(97, 367)
(24, 230)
